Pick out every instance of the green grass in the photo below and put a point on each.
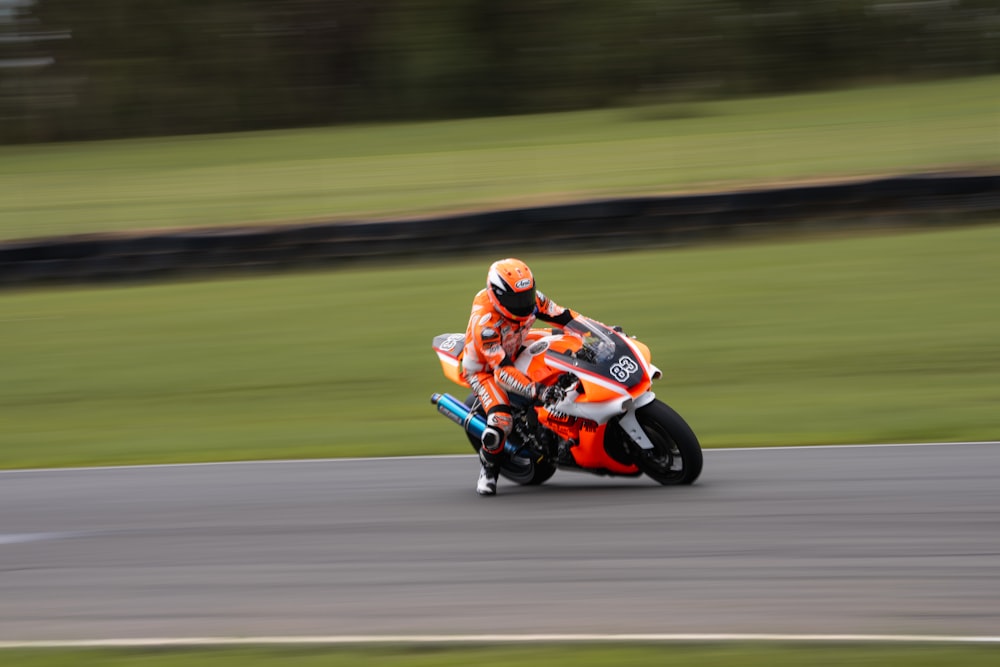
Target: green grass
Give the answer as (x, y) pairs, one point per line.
(576, 655)
(393, 170)
(877, 338)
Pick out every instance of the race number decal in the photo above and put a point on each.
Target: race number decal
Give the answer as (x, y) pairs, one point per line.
(624, 368)
(451, 342)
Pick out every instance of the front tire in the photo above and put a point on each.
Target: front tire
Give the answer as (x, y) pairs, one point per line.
(521, 468)
(676, 456)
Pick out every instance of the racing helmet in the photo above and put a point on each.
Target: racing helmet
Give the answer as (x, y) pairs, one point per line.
(511, 288)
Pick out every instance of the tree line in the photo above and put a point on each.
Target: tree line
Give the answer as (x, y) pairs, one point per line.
(73, 70)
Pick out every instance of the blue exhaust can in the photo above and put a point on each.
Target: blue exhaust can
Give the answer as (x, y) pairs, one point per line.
(459, 412)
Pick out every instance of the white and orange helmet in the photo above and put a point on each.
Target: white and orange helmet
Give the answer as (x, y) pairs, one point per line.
(511, 288)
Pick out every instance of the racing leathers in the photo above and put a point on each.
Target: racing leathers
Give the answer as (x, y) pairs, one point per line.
(493, 341)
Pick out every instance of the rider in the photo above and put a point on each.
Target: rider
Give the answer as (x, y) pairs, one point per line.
(502, 315)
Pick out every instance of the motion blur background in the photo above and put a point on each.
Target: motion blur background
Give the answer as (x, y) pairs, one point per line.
(127, 115)
(306, 111)
(73, 70)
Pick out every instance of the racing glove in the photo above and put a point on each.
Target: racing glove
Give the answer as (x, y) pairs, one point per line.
(550, 395)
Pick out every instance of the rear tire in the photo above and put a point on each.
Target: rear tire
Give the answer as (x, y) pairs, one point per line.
(521, 468)
(676, 456)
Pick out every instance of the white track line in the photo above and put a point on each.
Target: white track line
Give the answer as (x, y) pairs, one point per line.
(514, 638)
(452, 456)
(858, 446)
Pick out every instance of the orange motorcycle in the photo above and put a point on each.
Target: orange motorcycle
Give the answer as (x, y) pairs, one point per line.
(608, 421)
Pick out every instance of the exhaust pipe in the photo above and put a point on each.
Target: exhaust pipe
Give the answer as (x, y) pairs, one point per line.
(459, 412)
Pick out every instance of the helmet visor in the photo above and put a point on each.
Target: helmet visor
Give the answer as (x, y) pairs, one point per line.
(520, 304)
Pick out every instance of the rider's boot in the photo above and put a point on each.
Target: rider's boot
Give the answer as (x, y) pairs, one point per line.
(490, 455)
(488, 475)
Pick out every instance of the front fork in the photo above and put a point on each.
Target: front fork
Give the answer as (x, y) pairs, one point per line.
(630, 424)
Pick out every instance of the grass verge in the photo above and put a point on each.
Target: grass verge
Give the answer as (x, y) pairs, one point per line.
(393, 170)
(713, 655)
(868, 339)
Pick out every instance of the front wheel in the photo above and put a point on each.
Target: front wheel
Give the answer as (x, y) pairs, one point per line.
(519, 467)
(676, 455)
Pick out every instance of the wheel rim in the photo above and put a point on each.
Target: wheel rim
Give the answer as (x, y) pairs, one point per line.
(517, 466)
(665, 459)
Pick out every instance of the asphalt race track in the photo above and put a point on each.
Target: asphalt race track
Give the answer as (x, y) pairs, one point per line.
(894, 539)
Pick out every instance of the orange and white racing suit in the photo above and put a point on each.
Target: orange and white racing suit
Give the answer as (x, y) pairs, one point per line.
(492, 342)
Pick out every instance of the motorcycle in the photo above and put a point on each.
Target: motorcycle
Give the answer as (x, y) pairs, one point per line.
(606, 420)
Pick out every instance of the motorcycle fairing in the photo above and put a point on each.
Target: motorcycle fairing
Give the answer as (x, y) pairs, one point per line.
(611, 369)
(614, 373)
(449, 348)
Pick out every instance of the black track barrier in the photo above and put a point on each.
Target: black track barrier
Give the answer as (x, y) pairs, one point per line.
(594, 225)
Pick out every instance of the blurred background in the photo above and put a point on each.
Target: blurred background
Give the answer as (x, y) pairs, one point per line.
(307, 111)
(320, 111)
(73, 70)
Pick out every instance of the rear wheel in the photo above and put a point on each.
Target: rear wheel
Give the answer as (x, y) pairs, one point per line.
(676, 454)
(519, 467)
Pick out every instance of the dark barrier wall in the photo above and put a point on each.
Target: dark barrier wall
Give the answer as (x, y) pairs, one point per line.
(597, 225)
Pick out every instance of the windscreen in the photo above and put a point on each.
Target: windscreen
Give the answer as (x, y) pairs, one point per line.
(603, 353)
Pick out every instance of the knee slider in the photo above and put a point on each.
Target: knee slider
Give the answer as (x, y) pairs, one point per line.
(498, 426)
(492, 439)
